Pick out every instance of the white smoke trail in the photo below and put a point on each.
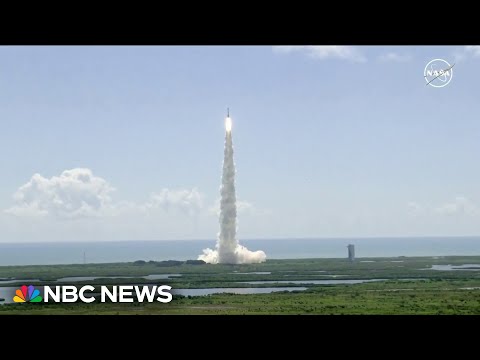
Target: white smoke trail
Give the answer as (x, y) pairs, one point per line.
(228, 250)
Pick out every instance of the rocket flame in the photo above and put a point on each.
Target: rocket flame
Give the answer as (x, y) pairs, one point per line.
(228, 124)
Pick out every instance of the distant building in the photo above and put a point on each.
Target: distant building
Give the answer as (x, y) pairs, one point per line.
(351, 252)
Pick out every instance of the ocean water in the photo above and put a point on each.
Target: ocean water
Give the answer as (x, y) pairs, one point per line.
(121, 251)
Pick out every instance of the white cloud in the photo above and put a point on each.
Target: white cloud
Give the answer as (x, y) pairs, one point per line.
(395, 57)
(244, 206)
(415, 209)
(474, 50)
(186, 200)
(460, 206)
(42, 205)
(75, 193)
(461, 54)
(325, 52)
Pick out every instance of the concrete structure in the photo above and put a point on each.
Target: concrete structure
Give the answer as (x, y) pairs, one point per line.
(351, 252)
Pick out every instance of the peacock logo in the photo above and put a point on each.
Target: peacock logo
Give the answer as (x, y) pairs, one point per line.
(27, 294)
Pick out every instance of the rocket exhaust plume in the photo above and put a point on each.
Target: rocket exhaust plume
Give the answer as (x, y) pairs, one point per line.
(228, 250)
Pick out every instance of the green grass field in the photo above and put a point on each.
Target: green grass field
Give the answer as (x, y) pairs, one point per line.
(408, 288)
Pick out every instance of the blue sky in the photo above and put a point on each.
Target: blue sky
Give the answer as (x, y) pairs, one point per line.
(329, 141)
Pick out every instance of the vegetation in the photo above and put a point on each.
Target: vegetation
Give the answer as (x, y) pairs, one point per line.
(409, 287)
(168, 263)
(195, 262)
